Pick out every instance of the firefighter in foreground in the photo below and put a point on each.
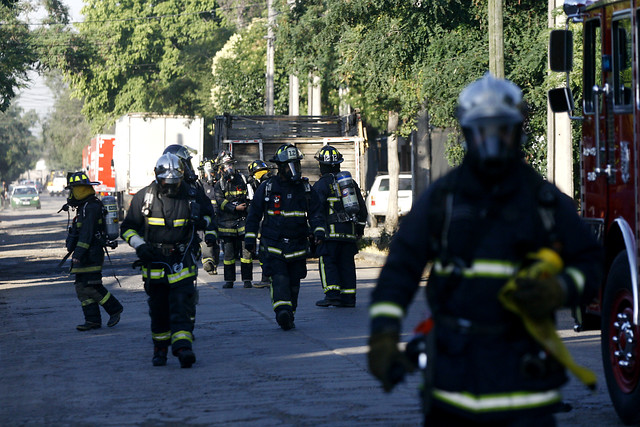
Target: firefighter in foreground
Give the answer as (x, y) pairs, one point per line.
(161, 225)
(86, 241)
(258, 173)
(289, 207)
(480, 225)
(231, 198)
(345, 214)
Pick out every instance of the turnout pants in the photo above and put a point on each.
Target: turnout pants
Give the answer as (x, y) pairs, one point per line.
(338, 269)
(285, 281)
(171, 306)
(234, 248)
(92, 294)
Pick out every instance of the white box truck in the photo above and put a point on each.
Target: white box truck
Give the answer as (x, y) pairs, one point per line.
(140, 140)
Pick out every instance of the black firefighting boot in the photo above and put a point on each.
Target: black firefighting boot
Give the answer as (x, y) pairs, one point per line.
(246, 271)
(92, 319)
(229, 275)
(210, 268)
(159, 356)
(113, 307)
(264, 283)
(284, 318)
(330, 298)
(187, 357)
(347, 300)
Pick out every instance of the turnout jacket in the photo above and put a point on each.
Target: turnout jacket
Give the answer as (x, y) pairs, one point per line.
(340, 227)
(86, 237)
(228, 194)
(290, 211)
(477, 238)
(158, 219)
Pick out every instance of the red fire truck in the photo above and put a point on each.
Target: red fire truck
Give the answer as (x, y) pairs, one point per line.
(610, 175)
(97, 160)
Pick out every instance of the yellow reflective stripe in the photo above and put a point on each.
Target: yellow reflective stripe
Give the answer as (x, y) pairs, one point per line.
(498, 402)
(274, 250)
(386, 309)
(481, 268)
(161, 336)
(348, 291)
(211, 232)
(78, 224)
(179, 222)
(129, 234)
(154, 273)
(105, 298)
(182, 274)
(229, 262)
(223, 204)
(83, 245)
(332, 199)
(91, 269)
(206, 259)
(332, 288)
(181, 335)
(578, 278)
(250, 235)
(207, 218)
(239, 230)
(246, 260)
(295, 254)
(235, 193)
(277, 304)
(319, 229)
(87, 302)
(156, 221)
(287, 214)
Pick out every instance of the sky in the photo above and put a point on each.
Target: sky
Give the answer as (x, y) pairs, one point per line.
(38, 97)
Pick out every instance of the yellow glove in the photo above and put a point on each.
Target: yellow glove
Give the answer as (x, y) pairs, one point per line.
(529, 288)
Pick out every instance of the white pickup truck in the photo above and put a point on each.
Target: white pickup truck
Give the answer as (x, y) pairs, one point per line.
(57, 186)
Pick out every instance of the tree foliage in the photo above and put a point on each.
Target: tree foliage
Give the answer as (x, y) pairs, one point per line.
(239, 74)
(66, 131)
(19, 149)
(140, 56)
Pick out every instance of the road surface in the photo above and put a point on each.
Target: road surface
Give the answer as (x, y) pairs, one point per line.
(248, 372)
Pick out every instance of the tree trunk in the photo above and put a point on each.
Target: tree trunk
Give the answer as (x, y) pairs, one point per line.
(391, 220)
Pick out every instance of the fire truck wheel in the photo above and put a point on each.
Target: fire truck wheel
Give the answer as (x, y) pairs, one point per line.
(621, 342)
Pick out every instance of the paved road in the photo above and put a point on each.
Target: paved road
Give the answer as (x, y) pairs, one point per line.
(248, 372)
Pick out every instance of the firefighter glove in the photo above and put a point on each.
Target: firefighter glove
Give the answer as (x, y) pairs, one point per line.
(210, 240)
(386, 362)
(145, 252)
(539, 298)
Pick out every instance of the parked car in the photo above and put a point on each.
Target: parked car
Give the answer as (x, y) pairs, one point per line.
(25, 196)
(378, 197)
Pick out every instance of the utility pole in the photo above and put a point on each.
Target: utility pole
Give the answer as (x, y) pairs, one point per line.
(496, 39)
(270, 109)
(559, 146)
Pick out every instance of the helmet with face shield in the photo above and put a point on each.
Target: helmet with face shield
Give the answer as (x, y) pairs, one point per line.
(490, 113)
(185, 156)
(225, 163)
(169, 172)
(209, 172)
(288, 157)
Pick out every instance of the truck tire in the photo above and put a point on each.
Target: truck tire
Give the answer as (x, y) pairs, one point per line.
(620, 342)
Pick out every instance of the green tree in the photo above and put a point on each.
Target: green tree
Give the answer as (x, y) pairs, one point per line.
(66, 131)
(140, 56)
(19, 149)
(239, 74)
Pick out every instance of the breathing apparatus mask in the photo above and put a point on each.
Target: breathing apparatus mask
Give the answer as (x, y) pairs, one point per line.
(169, 174)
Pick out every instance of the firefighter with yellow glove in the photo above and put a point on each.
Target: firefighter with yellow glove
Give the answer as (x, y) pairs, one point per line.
(86, 240)
(479, 226)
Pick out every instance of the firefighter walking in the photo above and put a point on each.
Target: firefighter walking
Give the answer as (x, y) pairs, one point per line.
(287, 206)
(86, 241)
(231, 196)
(345, 214)
(161, 225)
(482, 224)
